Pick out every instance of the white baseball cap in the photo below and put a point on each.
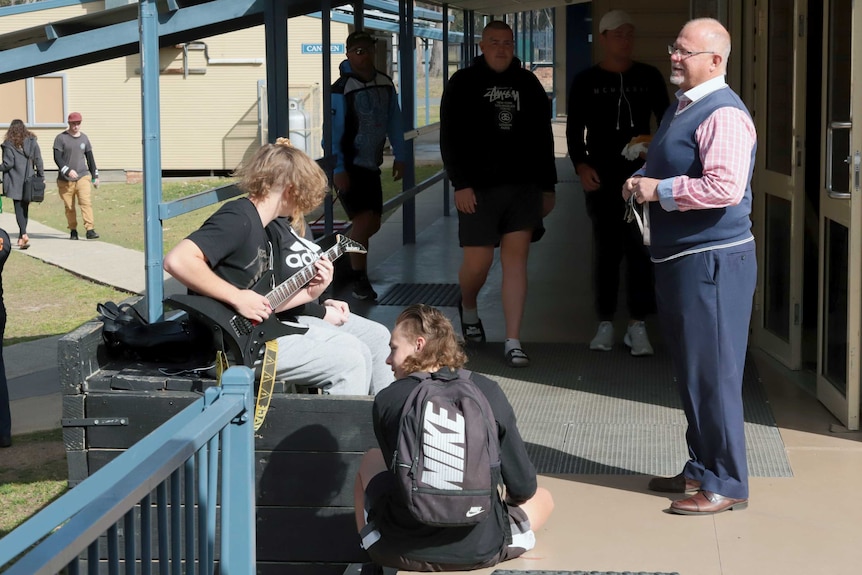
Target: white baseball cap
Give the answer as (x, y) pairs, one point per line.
(614, 19)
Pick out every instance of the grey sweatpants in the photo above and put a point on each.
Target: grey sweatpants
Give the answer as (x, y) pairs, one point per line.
(341, 360)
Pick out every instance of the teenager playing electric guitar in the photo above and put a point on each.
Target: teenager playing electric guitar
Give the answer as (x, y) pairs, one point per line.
(230, 252)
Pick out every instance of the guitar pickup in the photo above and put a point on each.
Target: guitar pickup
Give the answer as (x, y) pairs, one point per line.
(241, 325)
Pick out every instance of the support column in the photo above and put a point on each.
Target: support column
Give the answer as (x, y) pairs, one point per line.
(275, 31)
(407, 75)
(446, 207)
(151, 132)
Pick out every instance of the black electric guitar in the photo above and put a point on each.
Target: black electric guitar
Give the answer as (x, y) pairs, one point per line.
(241, 337)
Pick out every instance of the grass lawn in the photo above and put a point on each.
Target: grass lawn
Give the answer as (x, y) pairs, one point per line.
(119, 211)
(119, 208)
(33, 474)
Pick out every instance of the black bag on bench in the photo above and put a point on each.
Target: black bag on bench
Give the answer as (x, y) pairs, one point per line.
(127, 334)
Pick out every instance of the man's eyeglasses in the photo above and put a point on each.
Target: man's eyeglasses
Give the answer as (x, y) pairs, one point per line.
(360, 51)
(674, 51)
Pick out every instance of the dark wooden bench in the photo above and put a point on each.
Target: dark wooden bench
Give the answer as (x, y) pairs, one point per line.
(307, 452)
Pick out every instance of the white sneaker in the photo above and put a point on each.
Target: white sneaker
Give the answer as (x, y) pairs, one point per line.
(604, 339)
(637, 339)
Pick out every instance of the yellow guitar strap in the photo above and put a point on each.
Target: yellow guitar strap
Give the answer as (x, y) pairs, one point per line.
(267, 382)
(221, 364)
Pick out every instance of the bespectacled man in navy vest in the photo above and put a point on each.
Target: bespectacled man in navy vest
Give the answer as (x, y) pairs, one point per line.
(695, 189)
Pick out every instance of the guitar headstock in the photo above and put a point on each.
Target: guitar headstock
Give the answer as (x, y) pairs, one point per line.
(350, 246)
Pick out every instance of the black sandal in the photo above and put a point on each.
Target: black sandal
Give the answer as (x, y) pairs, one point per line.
(472, 332)
(516, 357)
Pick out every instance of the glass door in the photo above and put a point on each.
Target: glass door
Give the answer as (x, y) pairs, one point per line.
(840, 274)
(780, 193)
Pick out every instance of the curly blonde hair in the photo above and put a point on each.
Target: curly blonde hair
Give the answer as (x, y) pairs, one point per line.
(276, 166)
(441, 346)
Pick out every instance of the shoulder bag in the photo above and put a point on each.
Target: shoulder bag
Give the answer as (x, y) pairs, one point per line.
(34, 184)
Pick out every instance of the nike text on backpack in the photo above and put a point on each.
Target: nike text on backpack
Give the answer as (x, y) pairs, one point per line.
(447, 461)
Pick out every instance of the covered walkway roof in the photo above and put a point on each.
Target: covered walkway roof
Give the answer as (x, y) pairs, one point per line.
(113, 33)
(509, 6)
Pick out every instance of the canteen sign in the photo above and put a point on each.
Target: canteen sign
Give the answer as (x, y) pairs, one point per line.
(318, 48)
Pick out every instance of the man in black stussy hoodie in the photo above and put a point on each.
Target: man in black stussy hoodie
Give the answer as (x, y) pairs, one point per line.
(609, 105)
(498, 149)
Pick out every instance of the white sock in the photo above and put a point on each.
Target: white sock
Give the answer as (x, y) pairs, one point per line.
(512, 343)
(470, 316)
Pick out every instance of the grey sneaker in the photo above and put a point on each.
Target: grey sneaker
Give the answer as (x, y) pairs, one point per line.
(637, 339)
(604, 339)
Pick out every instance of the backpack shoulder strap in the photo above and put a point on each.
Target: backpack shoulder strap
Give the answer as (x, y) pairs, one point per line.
(132, 312)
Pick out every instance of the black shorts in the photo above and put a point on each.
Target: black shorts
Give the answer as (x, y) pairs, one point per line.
(365, 193)
(500, 210)
(383, 552)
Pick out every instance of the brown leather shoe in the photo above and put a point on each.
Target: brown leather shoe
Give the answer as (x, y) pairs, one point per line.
(676, 484)
(706, 503)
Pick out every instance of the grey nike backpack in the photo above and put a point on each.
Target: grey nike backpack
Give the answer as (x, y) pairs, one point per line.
(447, 461)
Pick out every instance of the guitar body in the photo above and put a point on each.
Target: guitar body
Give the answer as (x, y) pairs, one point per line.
(242, 340)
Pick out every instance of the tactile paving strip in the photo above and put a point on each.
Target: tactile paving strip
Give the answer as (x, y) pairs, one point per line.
(583, 412)
(440, 295)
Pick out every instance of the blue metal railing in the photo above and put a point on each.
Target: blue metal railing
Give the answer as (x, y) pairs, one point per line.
(197, 466)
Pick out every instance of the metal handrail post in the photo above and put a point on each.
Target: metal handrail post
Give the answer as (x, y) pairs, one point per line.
(238, 553)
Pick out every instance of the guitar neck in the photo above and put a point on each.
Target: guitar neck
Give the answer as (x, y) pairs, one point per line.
(286, 290)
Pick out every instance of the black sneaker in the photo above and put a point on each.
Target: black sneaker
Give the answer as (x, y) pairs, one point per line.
(362, 287)
(92, 235)
(73, 235)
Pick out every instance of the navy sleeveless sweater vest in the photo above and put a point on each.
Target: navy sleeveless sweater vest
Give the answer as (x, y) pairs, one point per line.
(674, 152)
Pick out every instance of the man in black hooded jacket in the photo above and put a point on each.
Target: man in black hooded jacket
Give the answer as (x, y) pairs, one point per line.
(498, 149)
(609, 112)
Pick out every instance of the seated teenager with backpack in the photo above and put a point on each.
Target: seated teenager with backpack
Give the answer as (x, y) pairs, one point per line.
(444, 511)
(330, 324)
(230, 253)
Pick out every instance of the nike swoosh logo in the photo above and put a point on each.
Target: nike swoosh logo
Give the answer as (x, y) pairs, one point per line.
(475, 512)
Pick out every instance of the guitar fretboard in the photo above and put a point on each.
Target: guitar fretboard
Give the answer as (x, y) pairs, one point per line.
(285, 290)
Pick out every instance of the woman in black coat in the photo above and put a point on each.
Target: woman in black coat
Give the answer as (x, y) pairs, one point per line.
(21, 156)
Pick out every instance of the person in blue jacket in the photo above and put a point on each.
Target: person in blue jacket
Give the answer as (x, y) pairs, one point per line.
(364, 112)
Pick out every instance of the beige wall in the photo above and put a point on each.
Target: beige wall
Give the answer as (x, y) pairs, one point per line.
(209, 119)
(657, 24)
